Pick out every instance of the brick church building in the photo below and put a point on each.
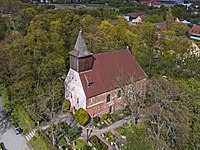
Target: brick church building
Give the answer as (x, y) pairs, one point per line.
(91, 80)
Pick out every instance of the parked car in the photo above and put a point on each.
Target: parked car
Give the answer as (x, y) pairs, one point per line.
(19, 131)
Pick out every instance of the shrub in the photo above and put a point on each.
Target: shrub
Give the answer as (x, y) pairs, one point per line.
(108, 115)
(82, 116)
(62, 142)
(73, 133)
(66, 105)
(104, 117)
(97, 143)
(96, 119)
(80, 144)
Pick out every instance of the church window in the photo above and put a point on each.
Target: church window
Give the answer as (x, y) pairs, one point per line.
(108, 98)
(119, 94)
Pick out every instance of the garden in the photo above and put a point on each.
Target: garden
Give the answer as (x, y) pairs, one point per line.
(95, 142)
(108, 119)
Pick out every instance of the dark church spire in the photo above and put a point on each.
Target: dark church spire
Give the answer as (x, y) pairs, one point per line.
(80, 49)
(81, 59)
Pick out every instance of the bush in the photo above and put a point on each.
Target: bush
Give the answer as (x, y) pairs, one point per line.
(80, 144)
(66, 105)
(96, 119)
(62, 142)
(104, 117)
(73, 133)
(82, 116)
(97, 143)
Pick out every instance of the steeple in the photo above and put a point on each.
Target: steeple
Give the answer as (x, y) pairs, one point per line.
(81, 59)
(80, 49)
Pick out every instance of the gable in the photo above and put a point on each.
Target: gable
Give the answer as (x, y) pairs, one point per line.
(74, 90)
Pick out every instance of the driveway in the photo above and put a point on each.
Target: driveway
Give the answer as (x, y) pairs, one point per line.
(10, 140)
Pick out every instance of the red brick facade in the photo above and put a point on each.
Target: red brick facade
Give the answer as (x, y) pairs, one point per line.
(98, 105)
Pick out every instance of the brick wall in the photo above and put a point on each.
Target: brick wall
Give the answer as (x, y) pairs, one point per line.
(98, 105)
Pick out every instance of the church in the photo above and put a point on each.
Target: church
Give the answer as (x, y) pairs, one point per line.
(91, 81)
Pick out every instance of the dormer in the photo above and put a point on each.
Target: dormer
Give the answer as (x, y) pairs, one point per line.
(81, 59)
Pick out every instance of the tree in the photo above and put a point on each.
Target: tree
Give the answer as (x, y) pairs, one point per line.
(166, 116)
(132, 96)
(154, 18)
(3, 28)
(169, 20)
(106, 11)
(149, 38)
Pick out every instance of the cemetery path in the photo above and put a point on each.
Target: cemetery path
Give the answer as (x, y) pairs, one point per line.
(95, 131)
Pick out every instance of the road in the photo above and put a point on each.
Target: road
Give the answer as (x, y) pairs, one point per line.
(10, 140)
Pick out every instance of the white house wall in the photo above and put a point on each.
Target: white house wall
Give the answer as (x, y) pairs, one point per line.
(74, 90)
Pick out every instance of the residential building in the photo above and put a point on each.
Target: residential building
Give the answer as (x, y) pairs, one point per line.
(195, 32)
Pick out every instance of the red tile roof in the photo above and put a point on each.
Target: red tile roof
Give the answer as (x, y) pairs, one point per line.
(195, 29)
(107, 68)
(5, 15)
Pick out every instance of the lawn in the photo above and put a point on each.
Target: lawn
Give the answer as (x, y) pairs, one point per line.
(138, 135)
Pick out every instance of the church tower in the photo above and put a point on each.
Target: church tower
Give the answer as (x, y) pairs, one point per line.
(81, 59)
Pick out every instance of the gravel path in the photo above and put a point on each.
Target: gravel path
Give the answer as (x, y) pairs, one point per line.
(109, 128)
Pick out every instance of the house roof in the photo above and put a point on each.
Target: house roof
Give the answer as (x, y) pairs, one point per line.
(80, 49)
(134, 15)
(5, 15)
(107, 68)
(195, 29)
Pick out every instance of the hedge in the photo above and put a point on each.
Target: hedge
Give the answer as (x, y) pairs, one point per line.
(82, 116)
(96, 119)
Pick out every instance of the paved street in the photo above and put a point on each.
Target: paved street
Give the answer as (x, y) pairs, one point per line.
(13, 141)
(10, 140)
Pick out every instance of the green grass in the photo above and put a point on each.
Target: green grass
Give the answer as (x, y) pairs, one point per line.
(80, 144)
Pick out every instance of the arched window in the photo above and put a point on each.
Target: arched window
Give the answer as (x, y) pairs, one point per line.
(119, 93)
(108, 98)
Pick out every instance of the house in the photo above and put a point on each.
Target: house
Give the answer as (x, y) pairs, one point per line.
(135, 17)
(91, 81)
(195, 32)
(5, 15)
(153, 3)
